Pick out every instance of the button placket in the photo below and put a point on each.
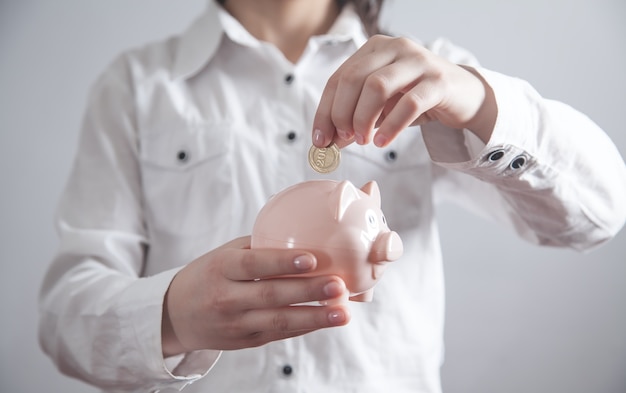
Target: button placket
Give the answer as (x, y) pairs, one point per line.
(292, 123)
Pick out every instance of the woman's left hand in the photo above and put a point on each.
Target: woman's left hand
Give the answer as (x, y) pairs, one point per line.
(392, 83)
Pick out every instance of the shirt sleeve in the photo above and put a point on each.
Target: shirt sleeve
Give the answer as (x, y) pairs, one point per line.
(548, 171)
(100, 320)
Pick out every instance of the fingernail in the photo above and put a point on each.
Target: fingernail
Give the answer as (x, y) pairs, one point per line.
(336, 317)
(318, 138)
(303, 262)
(334, 289)
(380, 140)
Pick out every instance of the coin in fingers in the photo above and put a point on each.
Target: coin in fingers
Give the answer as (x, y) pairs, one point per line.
(324, 159)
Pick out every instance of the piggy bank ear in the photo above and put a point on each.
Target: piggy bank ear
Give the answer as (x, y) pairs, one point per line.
(342, 197)
(371, 189)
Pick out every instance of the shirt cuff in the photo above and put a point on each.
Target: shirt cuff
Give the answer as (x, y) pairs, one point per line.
(511, 149)
(145, 313)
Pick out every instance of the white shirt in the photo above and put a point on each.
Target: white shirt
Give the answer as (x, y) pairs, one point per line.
(183, 142)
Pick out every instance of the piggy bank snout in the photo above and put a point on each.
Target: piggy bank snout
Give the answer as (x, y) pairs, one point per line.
(387, 247)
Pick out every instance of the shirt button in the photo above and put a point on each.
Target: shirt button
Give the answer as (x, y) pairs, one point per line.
(291, 136)
(518, 162)
(182, 156)
(287, 370)
(391, 156)
(289, 78)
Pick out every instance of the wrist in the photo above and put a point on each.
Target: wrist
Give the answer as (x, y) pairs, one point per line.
(170, 344)
(483, 122)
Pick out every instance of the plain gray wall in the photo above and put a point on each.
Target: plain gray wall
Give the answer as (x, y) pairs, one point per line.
(519, 319)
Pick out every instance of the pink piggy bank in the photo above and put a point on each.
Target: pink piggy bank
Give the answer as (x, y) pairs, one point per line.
(343, 226)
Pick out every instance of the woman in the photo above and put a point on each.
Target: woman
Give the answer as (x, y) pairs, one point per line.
(183, 142)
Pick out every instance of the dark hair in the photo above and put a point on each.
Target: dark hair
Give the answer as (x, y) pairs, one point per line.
(368, 11)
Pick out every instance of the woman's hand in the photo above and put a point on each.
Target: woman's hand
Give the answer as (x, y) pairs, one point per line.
(232, 297)
(392, 83)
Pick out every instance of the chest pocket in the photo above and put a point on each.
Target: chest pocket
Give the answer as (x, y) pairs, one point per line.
(187, 178)
(402, 171)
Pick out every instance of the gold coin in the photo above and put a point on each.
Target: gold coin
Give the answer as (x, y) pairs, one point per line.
(324, 159)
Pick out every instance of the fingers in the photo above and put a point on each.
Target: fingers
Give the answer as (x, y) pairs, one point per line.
(389, 84)
(409, 110)
(254, 313)
(258, 327)
(247, 265)
(354, 81)
(329, 124)
(292, 321)
(363, 103)
(381, 92)
(268, 278)
(323, 128)
(280, 292)
(236, 297)
(356, 95)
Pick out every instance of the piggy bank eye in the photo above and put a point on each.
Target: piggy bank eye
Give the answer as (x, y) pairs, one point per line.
(371, 219)
(384, 219)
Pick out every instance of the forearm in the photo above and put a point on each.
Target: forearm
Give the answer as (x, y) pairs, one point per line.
(562, 177)
(484, 121)
(101, 324)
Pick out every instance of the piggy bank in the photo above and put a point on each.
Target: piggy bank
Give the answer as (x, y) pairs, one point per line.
(342, 225)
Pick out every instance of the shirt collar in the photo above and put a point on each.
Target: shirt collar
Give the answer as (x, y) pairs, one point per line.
(347, 27)
(199, 43)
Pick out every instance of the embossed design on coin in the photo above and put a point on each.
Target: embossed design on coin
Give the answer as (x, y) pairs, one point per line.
(324, 159)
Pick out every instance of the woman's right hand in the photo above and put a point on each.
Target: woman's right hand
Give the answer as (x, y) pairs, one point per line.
(233, 297)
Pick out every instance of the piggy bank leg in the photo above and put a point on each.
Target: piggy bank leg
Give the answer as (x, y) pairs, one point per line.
(366, 296)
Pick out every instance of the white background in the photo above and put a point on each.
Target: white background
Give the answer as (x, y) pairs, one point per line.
(520, 318)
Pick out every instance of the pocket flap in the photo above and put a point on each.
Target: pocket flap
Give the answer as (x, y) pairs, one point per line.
(185, 147)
